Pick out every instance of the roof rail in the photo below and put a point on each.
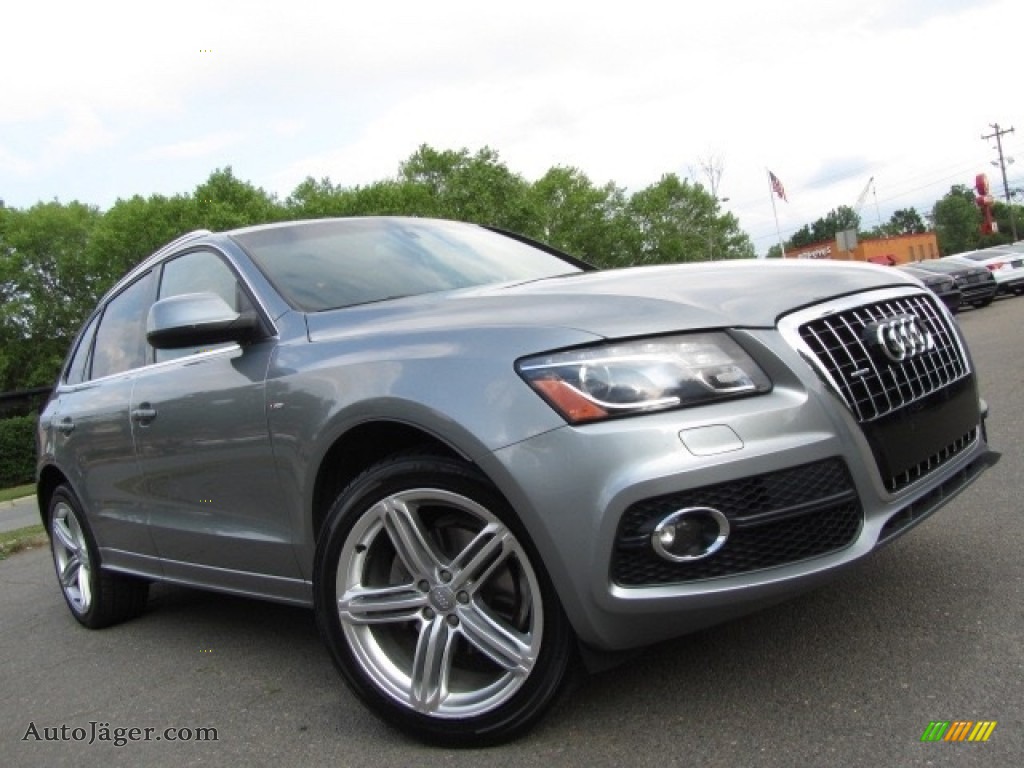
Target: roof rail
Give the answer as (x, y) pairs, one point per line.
(184, 239)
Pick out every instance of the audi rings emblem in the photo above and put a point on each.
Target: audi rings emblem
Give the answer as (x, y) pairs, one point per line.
(900, 338)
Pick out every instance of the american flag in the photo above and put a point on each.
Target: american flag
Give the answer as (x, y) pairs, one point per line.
(777, 186)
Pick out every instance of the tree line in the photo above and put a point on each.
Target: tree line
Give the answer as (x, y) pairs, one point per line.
(57, 259)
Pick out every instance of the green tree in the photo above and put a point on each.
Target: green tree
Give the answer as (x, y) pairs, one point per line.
(132, 229)
(478, 188)
(314, 199)
(957, 220)
(48, 288)
(801, 237)
(392, 197)
(579, 218)
(1001, 214)
(676, 221)
(826, 228)
(225, 202)
(837, 220)
(906, 221)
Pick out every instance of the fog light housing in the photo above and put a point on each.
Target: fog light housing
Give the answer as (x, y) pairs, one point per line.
(690, 534)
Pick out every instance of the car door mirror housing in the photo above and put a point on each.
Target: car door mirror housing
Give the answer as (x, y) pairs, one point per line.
(196, 319)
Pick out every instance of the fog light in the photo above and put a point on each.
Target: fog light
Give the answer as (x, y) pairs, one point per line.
(690, 534)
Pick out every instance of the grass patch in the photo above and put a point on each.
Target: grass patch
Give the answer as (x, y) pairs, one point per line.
(23, 538)
(17, 492)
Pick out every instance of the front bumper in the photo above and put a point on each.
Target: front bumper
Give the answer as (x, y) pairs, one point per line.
(576, 489)
(1011, 282)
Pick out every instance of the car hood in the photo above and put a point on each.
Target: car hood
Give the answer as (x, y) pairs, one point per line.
(622, 302)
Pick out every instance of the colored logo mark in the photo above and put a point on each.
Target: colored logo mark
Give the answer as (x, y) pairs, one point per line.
(958, 730)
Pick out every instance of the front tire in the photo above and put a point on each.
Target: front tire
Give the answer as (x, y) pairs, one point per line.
(434, 605)
(96, 598)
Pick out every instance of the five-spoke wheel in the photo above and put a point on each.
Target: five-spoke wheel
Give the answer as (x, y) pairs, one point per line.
(71, 557)
(97, 598)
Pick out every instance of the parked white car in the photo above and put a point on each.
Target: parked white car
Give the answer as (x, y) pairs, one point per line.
(1005, 262)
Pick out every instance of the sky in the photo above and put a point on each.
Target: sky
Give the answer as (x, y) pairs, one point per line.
(106, 99)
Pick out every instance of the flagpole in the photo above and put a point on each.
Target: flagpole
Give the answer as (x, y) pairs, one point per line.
(775, 213)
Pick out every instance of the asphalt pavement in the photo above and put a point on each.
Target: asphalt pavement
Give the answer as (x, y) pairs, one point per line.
(929, 629)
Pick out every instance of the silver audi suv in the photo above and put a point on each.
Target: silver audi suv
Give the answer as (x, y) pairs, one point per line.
(480, 461)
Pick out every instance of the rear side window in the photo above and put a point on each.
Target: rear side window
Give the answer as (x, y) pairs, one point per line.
(121, 339)
(78, 368)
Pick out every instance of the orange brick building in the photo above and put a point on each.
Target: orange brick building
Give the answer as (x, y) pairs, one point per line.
(883, 250)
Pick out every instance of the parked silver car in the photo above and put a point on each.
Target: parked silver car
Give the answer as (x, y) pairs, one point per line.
(479, 460)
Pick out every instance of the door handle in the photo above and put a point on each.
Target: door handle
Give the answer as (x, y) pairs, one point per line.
(66, 425)
(144, 414)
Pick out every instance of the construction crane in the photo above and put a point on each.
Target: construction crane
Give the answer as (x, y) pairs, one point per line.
(869, 187)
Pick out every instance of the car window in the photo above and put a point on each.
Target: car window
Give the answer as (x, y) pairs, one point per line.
(120, 339)
(197, 272)
(339, 263)
(77, 370)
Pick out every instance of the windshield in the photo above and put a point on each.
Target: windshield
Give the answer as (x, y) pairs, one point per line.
(318, 265)
(983, 255)
(943, 266)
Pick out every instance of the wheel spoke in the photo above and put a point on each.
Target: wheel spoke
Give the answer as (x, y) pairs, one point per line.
(69, 575)
(431, 666)
(84, 586)
(64, 536)
(500, 644)
(408, 538)
(478, 560)
(378, 605)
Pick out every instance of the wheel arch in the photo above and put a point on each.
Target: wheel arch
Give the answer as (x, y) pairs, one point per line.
(50, 478)
(359, 448)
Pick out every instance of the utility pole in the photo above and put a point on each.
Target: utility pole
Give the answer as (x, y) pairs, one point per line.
(998, 134)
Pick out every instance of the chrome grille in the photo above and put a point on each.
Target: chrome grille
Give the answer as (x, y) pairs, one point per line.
(871, 385)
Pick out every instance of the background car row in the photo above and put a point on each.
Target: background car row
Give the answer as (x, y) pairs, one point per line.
(973, 278)
(1005, 262)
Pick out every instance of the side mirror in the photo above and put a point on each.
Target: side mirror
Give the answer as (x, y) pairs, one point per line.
(195, 320)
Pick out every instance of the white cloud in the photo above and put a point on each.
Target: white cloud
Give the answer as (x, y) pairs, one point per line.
(819, 92)
(83, 131)
(201, 147)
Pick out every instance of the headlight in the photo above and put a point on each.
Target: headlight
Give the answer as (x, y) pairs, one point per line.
(620, 379)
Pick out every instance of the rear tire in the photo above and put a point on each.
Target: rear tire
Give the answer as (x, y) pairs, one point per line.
(96, 598)
(435, 606)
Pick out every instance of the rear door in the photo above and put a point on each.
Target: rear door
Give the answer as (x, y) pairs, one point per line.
(93, 431)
